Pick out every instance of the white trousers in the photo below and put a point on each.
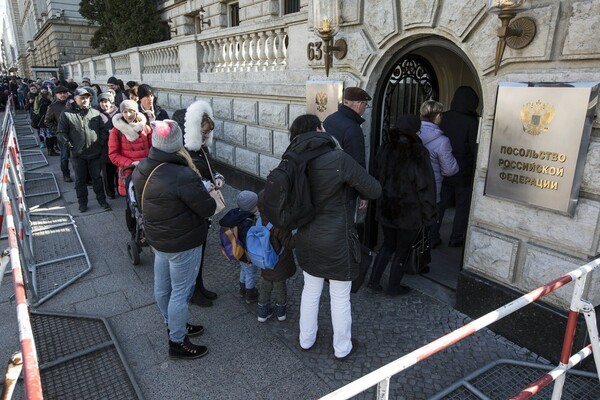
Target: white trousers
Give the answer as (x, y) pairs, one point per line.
(341, 314)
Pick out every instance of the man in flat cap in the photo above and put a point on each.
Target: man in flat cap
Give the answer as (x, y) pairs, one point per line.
(82, 131)
(344, 125)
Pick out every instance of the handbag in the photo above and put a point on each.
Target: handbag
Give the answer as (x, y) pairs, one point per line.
(219, 199)
(36, 120)
(419, 255)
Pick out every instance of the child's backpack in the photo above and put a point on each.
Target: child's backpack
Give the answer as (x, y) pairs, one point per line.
(231, 245)
(261, 252)
(287, 202)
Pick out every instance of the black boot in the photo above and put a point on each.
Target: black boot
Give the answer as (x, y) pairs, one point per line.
(200, 287)
(381, 261)
(186, 350)
(199, 299)
(396, 275)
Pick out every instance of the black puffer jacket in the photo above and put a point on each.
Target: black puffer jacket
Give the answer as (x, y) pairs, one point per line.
(328, 246)
(176, 204)
(404, 170)
(460, 124)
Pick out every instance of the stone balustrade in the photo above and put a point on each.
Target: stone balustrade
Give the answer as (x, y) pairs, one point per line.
(160, 60)
(264, 48)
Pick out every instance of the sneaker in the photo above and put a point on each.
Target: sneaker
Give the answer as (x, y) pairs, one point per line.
(82, 208)
(105, 205)
(186, 350)
(354, 348)
(242, 289)
(67, 178)
(251, 295)
(264, 312)
(42, 145)
(280, 311)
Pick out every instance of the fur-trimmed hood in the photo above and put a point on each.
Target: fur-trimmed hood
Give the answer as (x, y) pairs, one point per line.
(131, 131)
(192, 137)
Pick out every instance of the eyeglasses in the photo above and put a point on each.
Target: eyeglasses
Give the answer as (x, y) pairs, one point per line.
(366, 103)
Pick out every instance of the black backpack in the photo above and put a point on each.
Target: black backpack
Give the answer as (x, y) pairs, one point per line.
(287, 201)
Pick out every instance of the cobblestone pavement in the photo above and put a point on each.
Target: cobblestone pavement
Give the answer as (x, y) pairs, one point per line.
(248, 359)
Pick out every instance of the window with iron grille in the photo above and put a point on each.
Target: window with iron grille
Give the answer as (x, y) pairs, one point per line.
(234, 14)
(291, 6)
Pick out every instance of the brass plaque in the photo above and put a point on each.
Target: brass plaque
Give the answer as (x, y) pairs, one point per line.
(323, 97)
(539, 143)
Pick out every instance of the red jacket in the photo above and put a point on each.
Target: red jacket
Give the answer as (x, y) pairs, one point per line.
(128, 143)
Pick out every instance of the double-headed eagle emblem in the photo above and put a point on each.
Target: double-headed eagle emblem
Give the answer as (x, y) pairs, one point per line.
(536, 117)
(321, 100)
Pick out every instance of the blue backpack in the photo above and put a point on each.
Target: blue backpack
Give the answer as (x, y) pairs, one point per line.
(259, 248)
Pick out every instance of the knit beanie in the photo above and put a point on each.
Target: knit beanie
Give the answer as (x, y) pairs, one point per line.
(408, 123)
(128, 105)
(247, 200)
(105, 96)
(113, 80)
(144, 90)
(166, 136)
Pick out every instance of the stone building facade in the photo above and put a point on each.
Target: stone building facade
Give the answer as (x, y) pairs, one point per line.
(46, 35)
(255, 76)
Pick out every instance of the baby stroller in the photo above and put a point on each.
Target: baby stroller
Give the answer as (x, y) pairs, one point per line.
(133, 219)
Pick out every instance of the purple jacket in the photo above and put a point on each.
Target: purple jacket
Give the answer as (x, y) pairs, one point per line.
(440, 153)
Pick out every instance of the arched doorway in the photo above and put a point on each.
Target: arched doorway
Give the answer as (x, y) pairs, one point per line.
(430, 68)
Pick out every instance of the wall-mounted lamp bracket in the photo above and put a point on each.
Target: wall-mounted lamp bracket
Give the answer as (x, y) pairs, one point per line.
(516, 35)
(339, 49)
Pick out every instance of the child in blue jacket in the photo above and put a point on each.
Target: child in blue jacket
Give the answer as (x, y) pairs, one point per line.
(244, 217)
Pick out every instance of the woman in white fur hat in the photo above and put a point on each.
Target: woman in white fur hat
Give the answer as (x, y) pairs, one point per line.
(197, 125)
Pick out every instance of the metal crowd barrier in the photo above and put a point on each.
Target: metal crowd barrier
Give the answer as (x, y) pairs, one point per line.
(62, 356)
(381, 377)
(53, 251)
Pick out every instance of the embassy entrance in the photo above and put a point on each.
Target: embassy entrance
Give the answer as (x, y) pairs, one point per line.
(431, 68)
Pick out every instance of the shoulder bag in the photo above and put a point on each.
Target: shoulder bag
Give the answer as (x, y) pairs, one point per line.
(148, 180)
(215, 194)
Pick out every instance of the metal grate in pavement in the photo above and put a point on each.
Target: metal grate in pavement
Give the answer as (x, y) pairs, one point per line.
(40, 188)
(79, 359)
(503, 379)
(33, 159)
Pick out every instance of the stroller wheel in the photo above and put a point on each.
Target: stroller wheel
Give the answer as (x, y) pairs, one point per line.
(134, 252)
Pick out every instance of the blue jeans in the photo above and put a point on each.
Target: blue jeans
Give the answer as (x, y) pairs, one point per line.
(174, 278)
(248, 274)
(82, 167)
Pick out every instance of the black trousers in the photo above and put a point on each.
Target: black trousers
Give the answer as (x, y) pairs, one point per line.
(81, 168)
(396, 243)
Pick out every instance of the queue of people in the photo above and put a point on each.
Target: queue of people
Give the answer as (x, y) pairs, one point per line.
(410, 187)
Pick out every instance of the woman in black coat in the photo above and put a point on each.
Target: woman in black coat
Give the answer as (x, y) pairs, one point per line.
(408, 202)
(197, 125)
(327, 247)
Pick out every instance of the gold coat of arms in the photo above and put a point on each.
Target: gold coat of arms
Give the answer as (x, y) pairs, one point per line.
(536, 117)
